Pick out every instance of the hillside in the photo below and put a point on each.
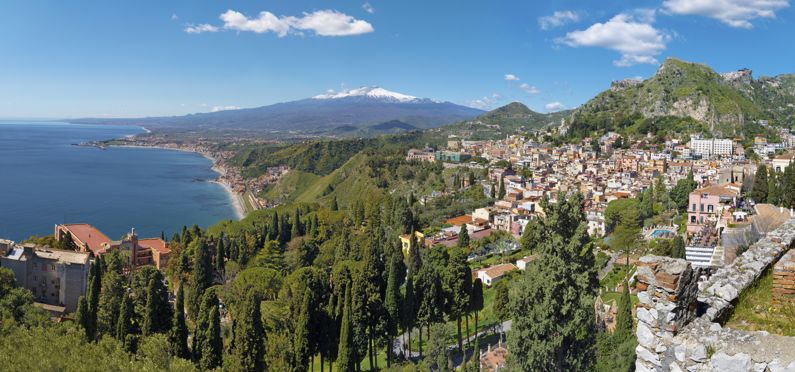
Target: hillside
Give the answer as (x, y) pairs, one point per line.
(688, 96)
(342, 113)
(512, 118)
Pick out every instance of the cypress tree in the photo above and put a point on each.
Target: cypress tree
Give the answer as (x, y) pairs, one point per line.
(458, 284)
(334, 206)
(392, 304)
(773, 192)
(414, 259)
(493, 191)
(463, 237)
(220, 252)
(178, 337)
(759, 189)
(624, 326)
(502, 189)
(94, 289)
(82, 316)
(249, 336)
(124, 323)
(202, 277)
(346, 360)
(158, 312)
(298, 229)
(302, 334)
(213, 344)
(409, 309)
(476, 300)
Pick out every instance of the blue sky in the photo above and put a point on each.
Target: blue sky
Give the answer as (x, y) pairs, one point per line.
(142, 58)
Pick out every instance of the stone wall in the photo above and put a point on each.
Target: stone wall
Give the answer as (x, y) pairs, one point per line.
(673, 337)
(784, 280)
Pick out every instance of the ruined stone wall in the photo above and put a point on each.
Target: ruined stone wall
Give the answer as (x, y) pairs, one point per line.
(671, 337)
(784, 280)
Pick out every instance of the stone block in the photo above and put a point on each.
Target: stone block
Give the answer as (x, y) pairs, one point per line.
(740, 362)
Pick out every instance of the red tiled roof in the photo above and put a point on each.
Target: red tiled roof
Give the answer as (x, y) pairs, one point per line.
(88, 234)
(460, 220)
(156, 244)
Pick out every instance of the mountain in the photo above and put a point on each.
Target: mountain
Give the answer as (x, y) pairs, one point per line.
(322, 114)
(509, 119)
(687, 96)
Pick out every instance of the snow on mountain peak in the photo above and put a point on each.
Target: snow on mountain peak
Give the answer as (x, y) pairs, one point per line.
(371, 92)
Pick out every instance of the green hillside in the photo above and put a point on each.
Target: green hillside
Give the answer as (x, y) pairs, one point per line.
(721, 104)
(512, 118)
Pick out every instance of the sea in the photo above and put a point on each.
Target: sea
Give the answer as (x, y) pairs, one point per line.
(46, 179)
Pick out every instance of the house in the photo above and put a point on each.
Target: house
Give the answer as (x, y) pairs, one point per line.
(494, 358)
(492, 274)
(706, 204)
(781, 162)
(89, 239)
(452, 156)
(521, 263)
(405, 241)
(426, 154)
(55, 277)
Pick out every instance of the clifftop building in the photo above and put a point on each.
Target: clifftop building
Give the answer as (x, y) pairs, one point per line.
(55, 277)
(87, 238)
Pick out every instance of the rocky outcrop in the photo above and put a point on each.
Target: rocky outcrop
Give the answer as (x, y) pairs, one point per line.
(742, 76)
(617, 85)
(672, 338)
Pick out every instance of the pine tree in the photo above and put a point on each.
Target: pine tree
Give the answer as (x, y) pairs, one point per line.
(158, 312)
(178, 337)
(249, 336)
(302, 334)
(346, 360)
(124, 323)
(82, 316)
(463, 237)
(201, 278)
(759, 189)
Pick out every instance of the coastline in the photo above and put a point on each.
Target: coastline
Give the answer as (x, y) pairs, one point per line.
(235, 198)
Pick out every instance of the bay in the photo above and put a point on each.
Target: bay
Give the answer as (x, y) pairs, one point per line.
(45, 179)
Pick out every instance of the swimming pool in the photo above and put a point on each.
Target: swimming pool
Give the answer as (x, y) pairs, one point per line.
(660, 233)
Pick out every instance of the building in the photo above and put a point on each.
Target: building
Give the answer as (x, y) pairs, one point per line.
(55, 277)
(522, 263)
(710, 147)
(452, 156)
(89, 239)
(426, 154)
(492, 274)
(706, 205)
(405, 241)
(781, 162)
(494, 358)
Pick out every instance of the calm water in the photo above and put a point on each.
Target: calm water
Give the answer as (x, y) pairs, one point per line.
(45, 180)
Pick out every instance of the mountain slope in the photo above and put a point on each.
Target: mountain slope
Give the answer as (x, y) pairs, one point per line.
(321, 114)
(723, 103)
(512, 118)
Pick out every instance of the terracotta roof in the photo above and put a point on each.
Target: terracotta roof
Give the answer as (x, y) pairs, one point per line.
(717, 190)
(88, 234)
(460, 220)
(497, 271)
(156, 244)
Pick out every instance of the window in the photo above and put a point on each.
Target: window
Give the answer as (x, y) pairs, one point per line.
(694, 207)
(710, 208)
(693, 219)
(702, 207)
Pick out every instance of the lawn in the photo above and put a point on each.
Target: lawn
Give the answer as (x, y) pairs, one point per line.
(755, 311)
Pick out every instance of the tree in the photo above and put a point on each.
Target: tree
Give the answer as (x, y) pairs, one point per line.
(201, 278)
(124, 324)
(773, 191)
(334, 206)
(759, 189)
(501, 193)
(624, 324)
(530, 236)
(437, 358)
(787, 187)
(178, 337)
(302, 334)
(94, 290)
(219, 255)
(552, 301)
(346, 361)
(678, 247)
(392, 303)
(110, 300)
(82, 316)
(213, 344)
(476, 300)
(501, 301)
(463, 237)
(458, 283)
(157, 317)
(248, 336)
(680, 193)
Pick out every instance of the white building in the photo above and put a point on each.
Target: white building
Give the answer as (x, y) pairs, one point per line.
(709, 147)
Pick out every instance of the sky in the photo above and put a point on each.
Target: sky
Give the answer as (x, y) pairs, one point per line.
(98, 58)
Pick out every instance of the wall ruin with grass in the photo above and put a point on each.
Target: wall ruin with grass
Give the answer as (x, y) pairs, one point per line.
(681, 321)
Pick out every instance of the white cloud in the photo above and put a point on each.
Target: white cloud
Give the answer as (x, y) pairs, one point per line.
(485, 103)
(198, 29)
(368, 8)
(557, 19)
(554, 106)
(511, 77)
(630, 34)
(529, 89)
(321, 22)
(174, 16)
(225, 108)
(735, 13)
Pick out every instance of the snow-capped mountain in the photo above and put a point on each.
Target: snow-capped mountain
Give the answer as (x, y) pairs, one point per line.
(352, 111)
(369, 92)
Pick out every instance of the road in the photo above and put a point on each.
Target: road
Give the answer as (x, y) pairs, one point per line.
(415, 355)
